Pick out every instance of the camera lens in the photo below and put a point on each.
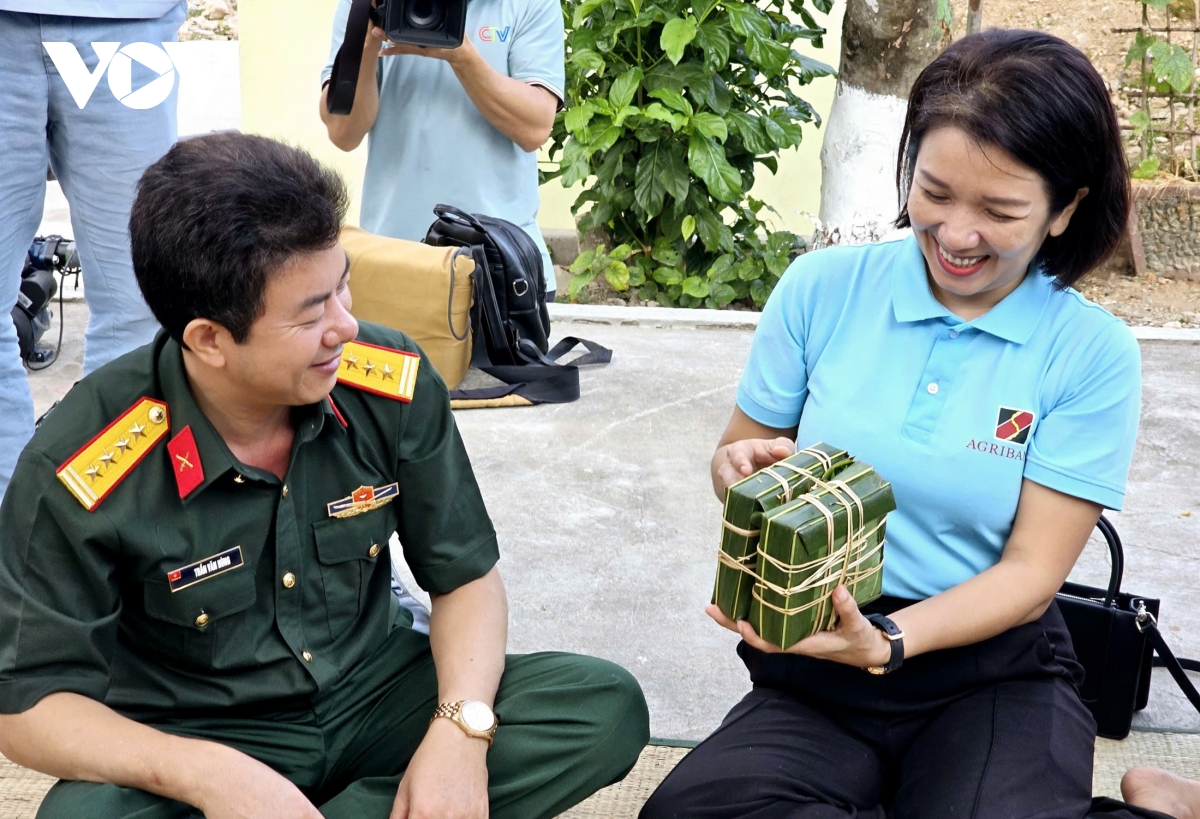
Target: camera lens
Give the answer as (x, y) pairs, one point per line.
(424, 13)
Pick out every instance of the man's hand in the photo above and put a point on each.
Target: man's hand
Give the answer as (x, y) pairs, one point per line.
(244, 788)
(450, 55)
(740, 459)
(853, 642)
(447, 777)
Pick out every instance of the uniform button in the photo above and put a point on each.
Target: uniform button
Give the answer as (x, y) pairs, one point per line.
(285, 490)
(954, 334)
(374, 550)
(157, 415)
(238, 479)
(202, 620)
(932, 389)
(289, 580)
(307, 657)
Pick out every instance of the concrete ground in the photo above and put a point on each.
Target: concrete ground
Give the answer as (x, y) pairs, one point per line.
(609, 527)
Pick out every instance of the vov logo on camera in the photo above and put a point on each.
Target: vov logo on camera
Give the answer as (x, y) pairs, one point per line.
(118, 61)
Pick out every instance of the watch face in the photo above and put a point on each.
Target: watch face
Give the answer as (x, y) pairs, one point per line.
(478, 716)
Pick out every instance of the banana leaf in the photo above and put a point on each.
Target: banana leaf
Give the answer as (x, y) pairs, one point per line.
(745, 503)
(799, 563)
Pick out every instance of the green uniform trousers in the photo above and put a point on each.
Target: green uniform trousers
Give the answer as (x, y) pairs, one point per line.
(569, 725)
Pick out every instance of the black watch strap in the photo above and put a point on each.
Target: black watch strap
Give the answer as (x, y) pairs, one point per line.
(895, 638)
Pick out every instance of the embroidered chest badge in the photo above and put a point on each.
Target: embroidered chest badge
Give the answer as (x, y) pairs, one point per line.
(363, 499)
(1013, 425)
(205, 569)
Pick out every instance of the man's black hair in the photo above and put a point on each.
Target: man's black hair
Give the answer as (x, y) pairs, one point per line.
(1040, 100)
(217, 216)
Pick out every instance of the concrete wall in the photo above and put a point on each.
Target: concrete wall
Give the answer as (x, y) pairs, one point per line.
(284, 44)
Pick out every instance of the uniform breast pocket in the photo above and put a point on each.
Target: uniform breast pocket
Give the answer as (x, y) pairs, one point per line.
(192, 623)
(349, 550)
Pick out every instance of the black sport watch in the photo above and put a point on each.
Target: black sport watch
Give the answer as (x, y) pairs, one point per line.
(895, 637)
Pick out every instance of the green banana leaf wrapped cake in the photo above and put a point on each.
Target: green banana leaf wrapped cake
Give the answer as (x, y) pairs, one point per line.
(745, 504)
(832, 535)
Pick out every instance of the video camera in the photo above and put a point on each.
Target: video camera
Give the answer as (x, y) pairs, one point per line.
(429, 23)
(47, 256)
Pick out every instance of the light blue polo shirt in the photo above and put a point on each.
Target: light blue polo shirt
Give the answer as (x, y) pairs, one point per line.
(113, 9)
(853, 346)
(430, 145)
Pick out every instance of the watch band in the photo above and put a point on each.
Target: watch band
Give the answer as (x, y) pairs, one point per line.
(895, 638)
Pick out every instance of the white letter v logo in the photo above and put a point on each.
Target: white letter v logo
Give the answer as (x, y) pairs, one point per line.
(75, 74)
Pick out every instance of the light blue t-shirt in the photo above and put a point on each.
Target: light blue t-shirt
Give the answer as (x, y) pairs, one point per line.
(112, 9)
(853, 346)
(430, 145)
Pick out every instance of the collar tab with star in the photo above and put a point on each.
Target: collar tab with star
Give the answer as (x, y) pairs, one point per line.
(93, 472)
(380, 370)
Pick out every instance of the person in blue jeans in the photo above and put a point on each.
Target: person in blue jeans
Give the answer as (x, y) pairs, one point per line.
(59, 106)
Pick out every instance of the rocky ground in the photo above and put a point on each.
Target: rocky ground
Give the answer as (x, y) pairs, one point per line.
(210, 20)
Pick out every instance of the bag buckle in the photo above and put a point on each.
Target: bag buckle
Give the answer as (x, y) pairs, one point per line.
(1142, 619)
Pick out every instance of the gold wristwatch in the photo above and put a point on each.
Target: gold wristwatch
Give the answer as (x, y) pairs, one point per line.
(475, 718)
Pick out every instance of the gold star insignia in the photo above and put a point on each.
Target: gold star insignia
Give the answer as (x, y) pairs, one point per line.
(387, 372)
(351, 362)
(137, 431)
(105, 456)
(92, 472)
(368, 367)
(122, 444)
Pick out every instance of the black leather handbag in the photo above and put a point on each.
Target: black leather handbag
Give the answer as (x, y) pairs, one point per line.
(1115, 635)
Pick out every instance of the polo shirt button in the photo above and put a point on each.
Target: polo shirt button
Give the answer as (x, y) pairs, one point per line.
(289, 580)
(373, 551)
(307, 657)
(954, 334)
(932, 389)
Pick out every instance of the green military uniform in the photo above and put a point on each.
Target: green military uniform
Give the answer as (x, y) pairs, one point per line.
(147, 568)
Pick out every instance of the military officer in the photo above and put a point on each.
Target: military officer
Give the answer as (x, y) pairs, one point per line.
(195, 612)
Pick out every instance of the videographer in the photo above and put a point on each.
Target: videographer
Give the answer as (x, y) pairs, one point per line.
(459, 126)
(97, 147)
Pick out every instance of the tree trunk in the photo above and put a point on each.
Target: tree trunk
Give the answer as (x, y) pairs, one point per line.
(885, 44)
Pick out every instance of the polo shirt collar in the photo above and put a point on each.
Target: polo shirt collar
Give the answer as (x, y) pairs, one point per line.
(215, 457)
(1013, 319)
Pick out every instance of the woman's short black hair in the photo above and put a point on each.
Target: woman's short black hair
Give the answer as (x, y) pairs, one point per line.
(217, 216)
(1038, 98)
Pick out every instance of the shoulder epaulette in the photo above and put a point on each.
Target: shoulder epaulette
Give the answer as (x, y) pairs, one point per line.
(103, 462)
(381, 370)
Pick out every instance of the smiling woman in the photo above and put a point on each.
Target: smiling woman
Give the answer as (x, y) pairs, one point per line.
(1002, 407)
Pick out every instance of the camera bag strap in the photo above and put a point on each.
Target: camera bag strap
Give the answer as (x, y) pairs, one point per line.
(343, 80)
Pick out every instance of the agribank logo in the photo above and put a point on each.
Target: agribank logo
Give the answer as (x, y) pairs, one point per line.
(491, 33)
(118, 61)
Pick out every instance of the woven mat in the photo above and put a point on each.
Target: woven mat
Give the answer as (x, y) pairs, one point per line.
(21, 790)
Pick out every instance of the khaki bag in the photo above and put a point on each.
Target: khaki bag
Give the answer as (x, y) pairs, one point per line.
(421, 290)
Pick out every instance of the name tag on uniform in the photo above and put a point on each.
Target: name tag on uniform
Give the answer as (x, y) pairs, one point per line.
(193, 573)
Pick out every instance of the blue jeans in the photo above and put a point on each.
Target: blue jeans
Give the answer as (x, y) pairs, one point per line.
(98, 153)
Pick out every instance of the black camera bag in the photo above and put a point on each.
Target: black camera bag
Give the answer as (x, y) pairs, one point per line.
(508, 316)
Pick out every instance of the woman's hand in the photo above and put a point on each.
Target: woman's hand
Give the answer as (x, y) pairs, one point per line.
(853, 642)
(740, 459)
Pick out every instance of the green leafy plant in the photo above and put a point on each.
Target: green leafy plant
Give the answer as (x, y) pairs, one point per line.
(671, 107)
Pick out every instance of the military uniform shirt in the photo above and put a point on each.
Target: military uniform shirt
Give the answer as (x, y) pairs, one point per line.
(854, 348)
(140, 603)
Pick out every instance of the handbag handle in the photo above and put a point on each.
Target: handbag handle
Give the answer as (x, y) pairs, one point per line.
(1116, 554)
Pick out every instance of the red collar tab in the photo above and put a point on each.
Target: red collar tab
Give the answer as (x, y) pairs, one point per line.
(185, 461)
(337, 413)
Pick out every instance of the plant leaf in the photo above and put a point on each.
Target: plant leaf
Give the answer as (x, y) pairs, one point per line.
(707, 160)
(715, 43)
(656, 111)
(695, 287)
(688, 228)
(1172, 65)
(624, 87)
(722, 293)
(578, 116)
(747, 19)
(719, 96)
(1146, 169)
(648, 188)
(675, 178)
(710, 125)
(583, 10)
(676, 35)
(587, 60)
(1141, 44)
(673, 99)
(583, 261)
